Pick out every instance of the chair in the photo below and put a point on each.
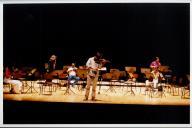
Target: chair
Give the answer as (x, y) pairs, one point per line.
(68, 90)
(132, 77)
(175, 85)
(122, 78)
(7, 85)
(185, 92)
(46, 83)
(130, 69)
(150, 89)
(57, 77)
(115, 79)
(82, 74)
(107, 77)
(63, 80)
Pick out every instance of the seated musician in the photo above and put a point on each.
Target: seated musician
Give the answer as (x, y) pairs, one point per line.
(72, 74)
(16, 84)
(157, 76)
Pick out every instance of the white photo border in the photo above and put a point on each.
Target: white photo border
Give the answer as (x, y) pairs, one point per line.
(83, 1)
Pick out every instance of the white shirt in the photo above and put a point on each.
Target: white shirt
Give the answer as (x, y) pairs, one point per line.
(71, 71)
(92, 64)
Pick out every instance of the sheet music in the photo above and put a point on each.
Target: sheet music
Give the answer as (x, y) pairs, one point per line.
(103, 69)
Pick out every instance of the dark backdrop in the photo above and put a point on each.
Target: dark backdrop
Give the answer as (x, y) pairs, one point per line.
(128, 34)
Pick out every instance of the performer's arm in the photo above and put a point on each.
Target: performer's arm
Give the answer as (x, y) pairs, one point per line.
(88, 64)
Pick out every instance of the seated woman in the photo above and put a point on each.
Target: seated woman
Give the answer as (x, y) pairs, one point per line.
(16, 84)
(154, 79)
(72, 75)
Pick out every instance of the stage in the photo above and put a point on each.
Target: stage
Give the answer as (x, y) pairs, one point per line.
(113, 106)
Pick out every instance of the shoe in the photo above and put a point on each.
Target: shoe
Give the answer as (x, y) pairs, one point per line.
(93, 99)
(85, 99)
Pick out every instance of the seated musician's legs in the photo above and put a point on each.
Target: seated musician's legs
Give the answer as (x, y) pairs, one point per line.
(17, 86)
(155, 81)
(76, 79)
(147, 82)
(71, 80)
(148, 85)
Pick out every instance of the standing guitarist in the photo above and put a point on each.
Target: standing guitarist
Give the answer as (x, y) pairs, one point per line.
(93, 64)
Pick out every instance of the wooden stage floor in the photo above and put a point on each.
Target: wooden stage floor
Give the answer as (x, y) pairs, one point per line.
(119, 107)
(118, 95)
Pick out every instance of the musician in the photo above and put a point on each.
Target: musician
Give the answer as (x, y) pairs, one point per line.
(155, 64)
(72, 74)
(46, 68)
(93, 64)
(52, 63)
(8, 78)
(157, 77)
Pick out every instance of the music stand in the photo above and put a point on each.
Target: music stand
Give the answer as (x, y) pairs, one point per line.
(112, 77)
(162, 89)
(24, 83)
(100, 79)
(111, 88)
(32, 80)
(129, 83)
(68, 89)
(32, 87)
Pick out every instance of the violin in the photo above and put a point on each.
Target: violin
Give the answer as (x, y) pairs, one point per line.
(101, 61)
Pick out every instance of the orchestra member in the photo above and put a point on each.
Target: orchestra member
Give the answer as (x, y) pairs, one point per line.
(46, 68)
(72, 74)
(93, 64)
(52, 63)
(155, 64)
(157, 76)
(16, 84)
